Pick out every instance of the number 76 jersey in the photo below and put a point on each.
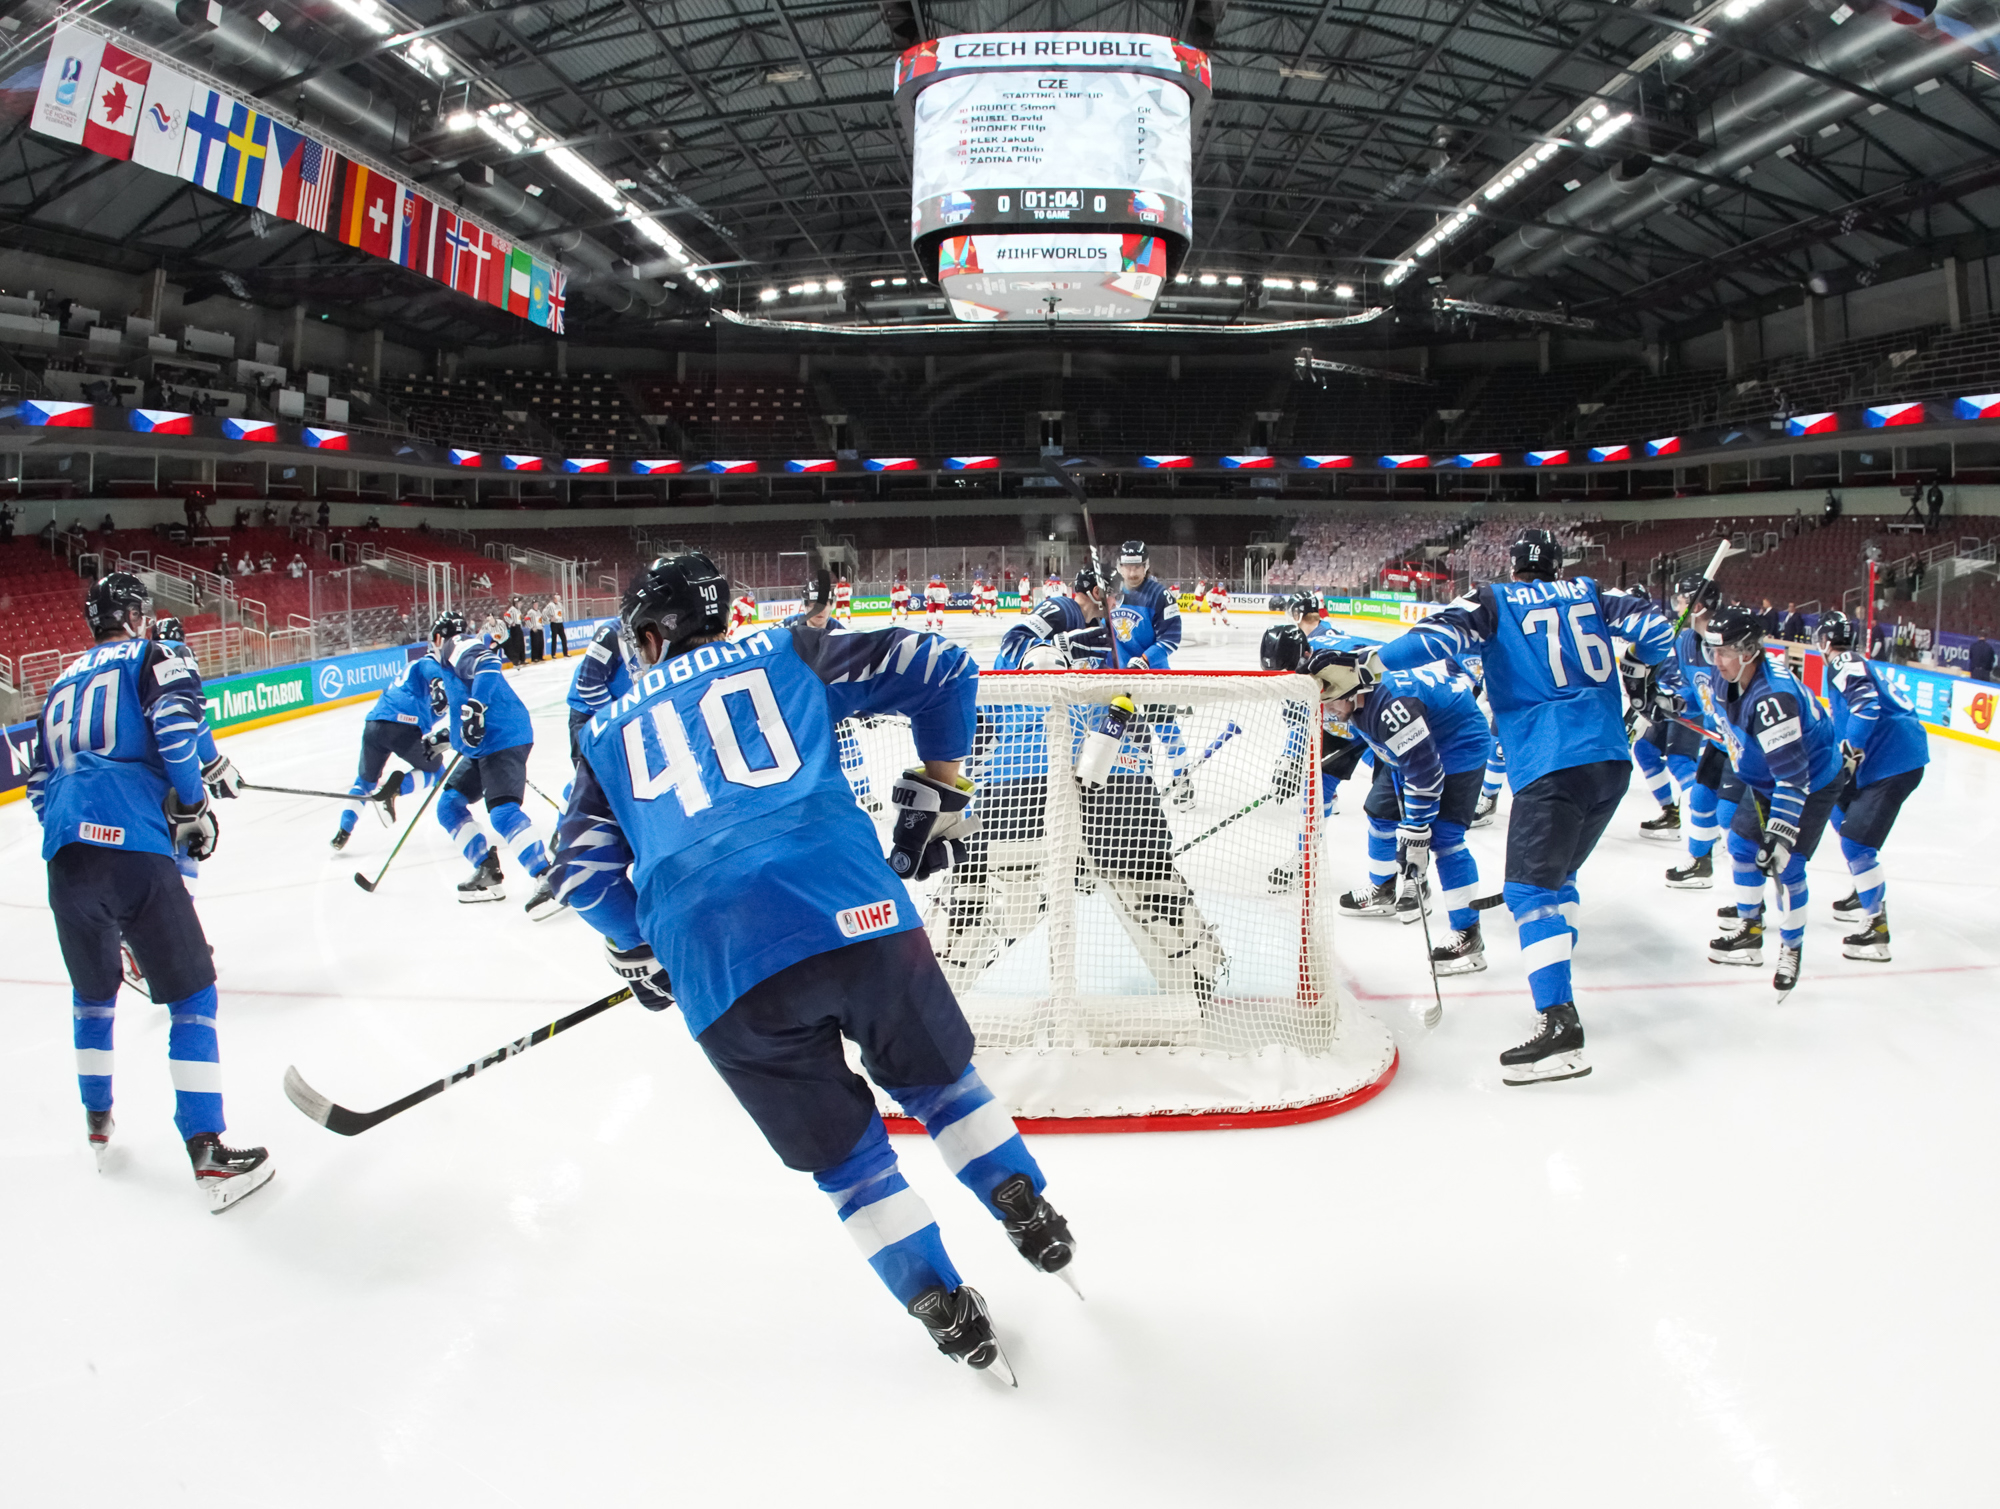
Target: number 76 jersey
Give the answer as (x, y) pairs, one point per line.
(1551, 671)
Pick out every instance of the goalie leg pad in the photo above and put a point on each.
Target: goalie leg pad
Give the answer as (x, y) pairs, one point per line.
(1174, 940)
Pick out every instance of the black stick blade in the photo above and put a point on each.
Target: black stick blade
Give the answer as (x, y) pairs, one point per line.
(364, 882)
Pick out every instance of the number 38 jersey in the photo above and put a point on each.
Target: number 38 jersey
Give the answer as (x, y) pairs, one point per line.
(717, 782)
(1551, 673)
(122, 724)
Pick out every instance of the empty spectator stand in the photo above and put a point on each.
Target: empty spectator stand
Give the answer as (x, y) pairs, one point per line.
(760, 416)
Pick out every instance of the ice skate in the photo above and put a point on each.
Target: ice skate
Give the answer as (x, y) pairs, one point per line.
(1374, 901)
(1744, 946)
(485, 883)
(339, 840)
(1695, 875)
(544, 904)
(99, 1126)
(963, 1330)
(1871, 943)
(226, 1175)
(1285, 878)
(1667, 825)
(1463, 953)
(1408, 909)
(1484, 813)
(1786, 978)
(1732, 920)
(1849, 906)
(1554, 1052)
(1181, 791)
(1037, 1232)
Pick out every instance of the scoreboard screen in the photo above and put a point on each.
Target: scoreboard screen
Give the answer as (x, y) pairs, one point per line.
(1035, 133)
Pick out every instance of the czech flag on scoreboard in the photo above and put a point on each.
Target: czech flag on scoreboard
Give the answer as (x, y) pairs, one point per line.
(1883, 414)
(1977, 406)
(1248, 463)
(1316, 463)
(249, 429)
(1468, 459)
(656, 468)
(586, 464)
(1666, 445)
(731, 468)
(464, 457)
(1611, 453)
(1812, 424)
(1167, 463)
(891, 463)
(49, 411)
(162, 422)
(816, 464)
(972, 463)
(1404, 463)
(1547, 458)
(326, 440)
(522, 463)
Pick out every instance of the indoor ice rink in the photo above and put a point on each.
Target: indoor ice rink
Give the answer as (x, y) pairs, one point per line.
(1743, 1263)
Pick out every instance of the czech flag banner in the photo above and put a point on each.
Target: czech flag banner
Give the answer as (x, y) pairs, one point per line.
(1316, 463)
(731, 468)
(1978, 406)
(1611, 453)
(249, 429)
(162, 422)
(1666, 445)
(816, 464)
(1167, 463)
(463, 457)
(891, 463)
(656, 468)
(1883, 414)
(972, 463)
(1468, 459)
(1248, 463)
(326, 440)
(1547, 458)
(53, 412)
(586, 464)
(1812, 424)
(1404, 463)
(522, 463)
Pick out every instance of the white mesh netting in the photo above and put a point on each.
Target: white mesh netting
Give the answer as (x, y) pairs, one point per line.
(1159, 943)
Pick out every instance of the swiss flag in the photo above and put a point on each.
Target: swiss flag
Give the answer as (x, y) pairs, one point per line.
(371, 210)
(114, 104)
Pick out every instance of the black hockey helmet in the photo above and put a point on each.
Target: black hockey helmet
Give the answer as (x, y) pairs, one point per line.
(1090, 581)
(119, 600)
(1283, 648)
(1536, 553)
(1735, 627)
(169, 628)
(448, 625)
(818, 592)
(1132, 553)
(678, 597)
(1695, 588)
(1304, 604)
(1834, 631)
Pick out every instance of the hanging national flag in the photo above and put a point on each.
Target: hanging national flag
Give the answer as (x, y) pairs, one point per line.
(298, 180)
(493, 271)
(115, 102)
(64, 101)
(558, 301)
(413, 234)
(207, 137)
(519, 295)
(163, 120)
(454, 261)
(538, 294)
(246, 153)
(371, 206)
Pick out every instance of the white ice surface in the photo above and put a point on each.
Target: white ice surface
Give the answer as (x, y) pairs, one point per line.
(1748, 1261)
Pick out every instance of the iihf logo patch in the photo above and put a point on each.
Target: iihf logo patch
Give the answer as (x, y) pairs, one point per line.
(859, 921)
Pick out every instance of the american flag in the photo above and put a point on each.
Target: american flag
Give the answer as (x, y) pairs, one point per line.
(315, 184)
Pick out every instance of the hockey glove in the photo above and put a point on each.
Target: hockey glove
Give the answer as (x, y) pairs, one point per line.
(1851, 756)
(931, 826)
(1775, 850)
(1287, 780)
(472, 723)
(638, 968)
(1413, 851)
(191, 828)
(439, 701)
(438, 737)
(221, 778)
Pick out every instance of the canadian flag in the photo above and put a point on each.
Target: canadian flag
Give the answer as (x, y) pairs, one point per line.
(114, 104)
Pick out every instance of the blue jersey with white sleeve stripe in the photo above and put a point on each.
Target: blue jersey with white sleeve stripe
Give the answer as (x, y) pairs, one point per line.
(1779, 738)
(716, 782)
(123, 724)
(1551, 671)
(475, 674)
(602, 677)
(1875, 715)
(407, 699)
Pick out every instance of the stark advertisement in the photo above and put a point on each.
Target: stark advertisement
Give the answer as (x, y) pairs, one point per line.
(1066, 276)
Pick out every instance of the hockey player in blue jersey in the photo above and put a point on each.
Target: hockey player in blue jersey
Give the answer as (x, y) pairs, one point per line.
(121, 783)
(1553, 686)
(493, 737)
(714, 843)
(1144, 621)
(602, 676)
(821, 600)
(1782, 744)
(1884, 750)
(396, 725)
(1712, 789)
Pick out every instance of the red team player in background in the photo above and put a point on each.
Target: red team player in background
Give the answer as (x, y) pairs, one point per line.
(742, 612)
(843, 600)
(936, 597)
(985, 598)
(1218, 603)
(899, 600)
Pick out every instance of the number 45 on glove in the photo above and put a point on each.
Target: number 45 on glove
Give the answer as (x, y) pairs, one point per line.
(932, 824)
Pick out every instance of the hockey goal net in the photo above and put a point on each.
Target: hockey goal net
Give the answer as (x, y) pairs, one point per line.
(1153, 949)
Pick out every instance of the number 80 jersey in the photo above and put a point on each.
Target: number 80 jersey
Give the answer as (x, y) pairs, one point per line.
(1551, 672)
(717, 782)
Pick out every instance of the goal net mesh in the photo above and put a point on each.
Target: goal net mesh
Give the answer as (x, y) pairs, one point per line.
(1157, 941)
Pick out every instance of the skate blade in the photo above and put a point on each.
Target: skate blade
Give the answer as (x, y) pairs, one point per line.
(1555, 1067)
(1665, 835)
(1869, 953)
(227, 1194)
(1470, 966)
(1067, 1273)
(101, 1151)
(473, 898)
(1783, 993)
(541, 911)
(1691, 883)
(1749, 961)
(1000, 1370)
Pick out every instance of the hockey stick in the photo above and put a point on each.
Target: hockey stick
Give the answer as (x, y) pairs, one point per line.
(369, 885)
(1228, 733)
(1714, 565)
(337, 1118)
(543, 795)
(1240, 812)
(338, 796)
(1436, 1014)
